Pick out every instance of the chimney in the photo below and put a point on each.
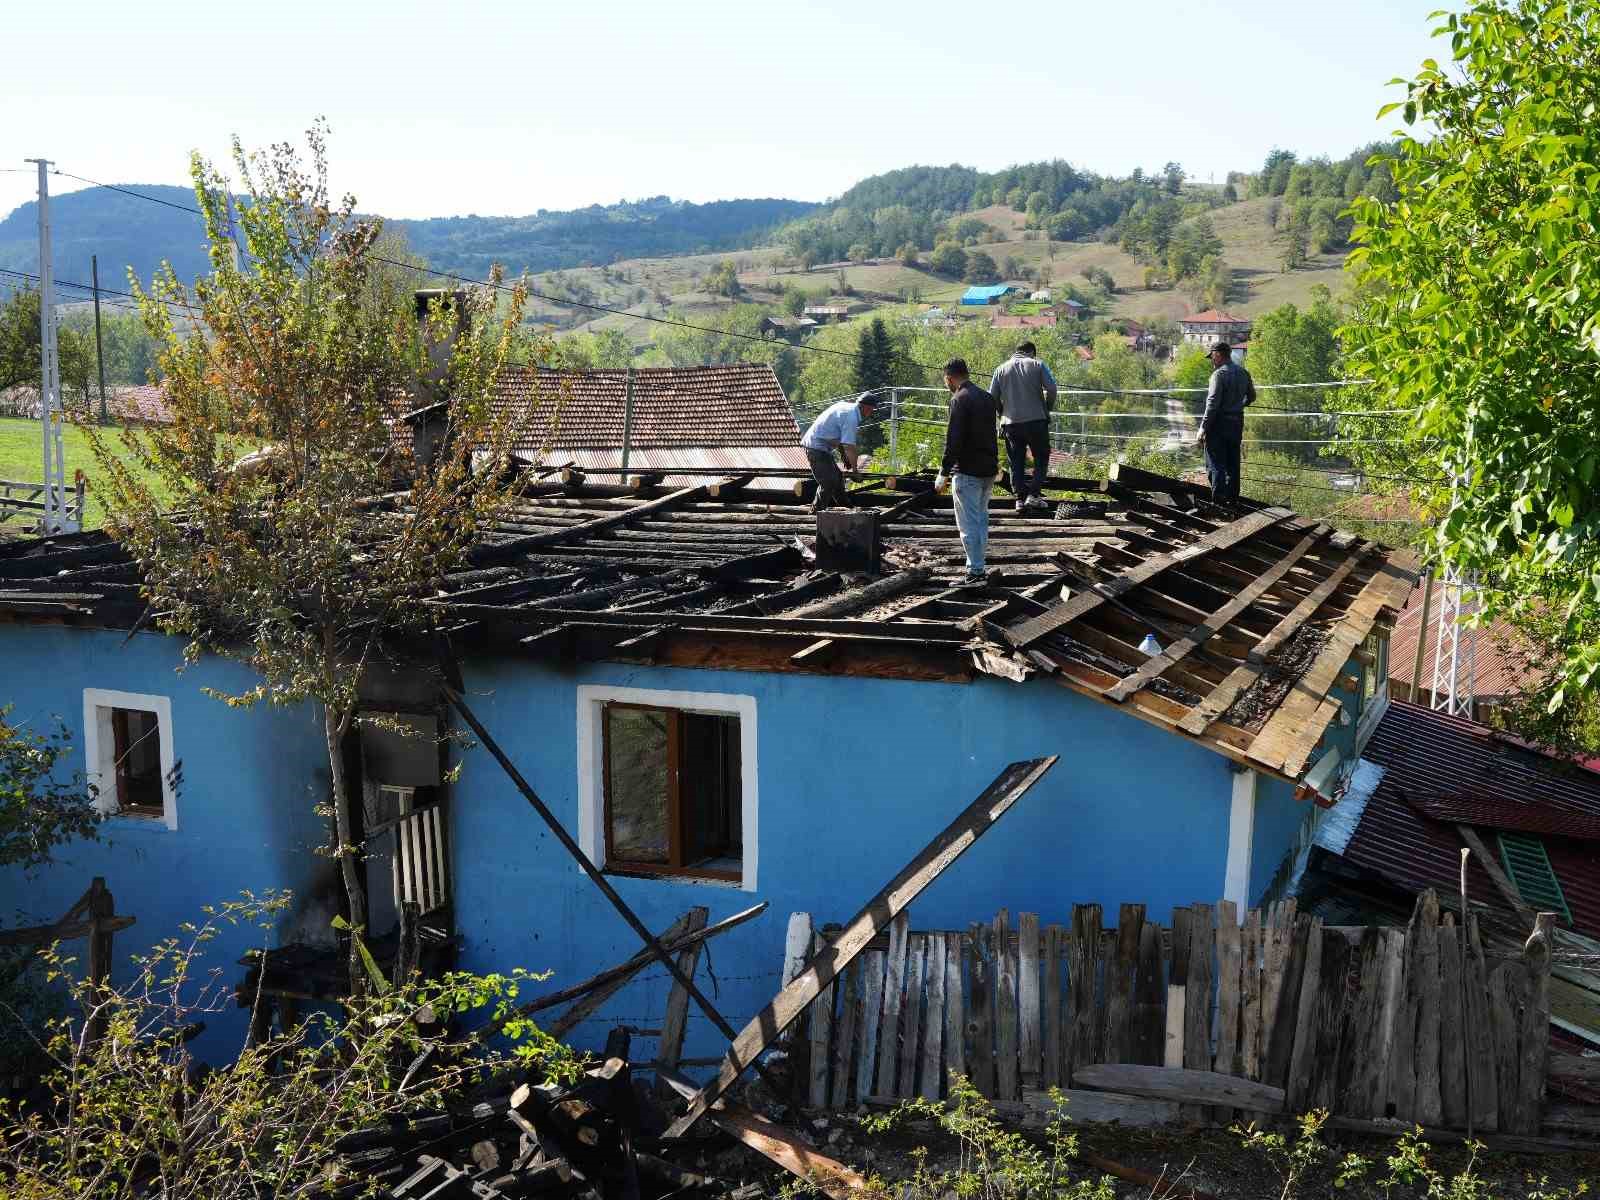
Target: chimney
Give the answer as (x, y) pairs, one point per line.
(430, 422)
(848, 540)
(439, 348)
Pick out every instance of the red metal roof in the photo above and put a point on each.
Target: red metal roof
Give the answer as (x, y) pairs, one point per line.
(1501, 667)
(736, 404)
(1428, 758)
(1526, 818)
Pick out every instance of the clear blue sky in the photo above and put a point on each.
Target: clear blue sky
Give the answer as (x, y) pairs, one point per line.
(504, 108)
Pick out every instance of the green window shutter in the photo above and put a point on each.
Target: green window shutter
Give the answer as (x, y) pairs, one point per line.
(1525, 860)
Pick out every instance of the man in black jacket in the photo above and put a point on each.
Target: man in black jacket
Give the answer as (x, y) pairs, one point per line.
(971, 459)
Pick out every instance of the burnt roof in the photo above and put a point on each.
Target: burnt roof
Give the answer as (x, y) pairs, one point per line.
(734, 404)
(1440, 771)
(1259, 609)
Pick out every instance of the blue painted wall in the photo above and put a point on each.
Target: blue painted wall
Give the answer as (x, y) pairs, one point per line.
(855, 777)
(1278, 818)
(250, 780)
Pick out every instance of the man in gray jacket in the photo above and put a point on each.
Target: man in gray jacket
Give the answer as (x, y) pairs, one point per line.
(1222, 423)
(1027, 392)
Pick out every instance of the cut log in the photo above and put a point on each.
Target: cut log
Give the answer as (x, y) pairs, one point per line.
(1181, 1086)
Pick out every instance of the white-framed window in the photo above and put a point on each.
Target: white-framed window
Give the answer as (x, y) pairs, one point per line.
(127, 739)
(667, 784)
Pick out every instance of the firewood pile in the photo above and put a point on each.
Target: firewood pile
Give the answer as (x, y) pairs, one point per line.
(596, 1139)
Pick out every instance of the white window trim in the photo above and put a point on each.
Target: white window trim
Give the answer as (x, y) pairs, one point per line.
(592, 699)
(98, 741)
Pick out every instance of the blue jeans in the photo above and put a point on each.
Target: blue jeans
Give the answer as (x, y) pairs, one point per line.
(1223, 442)
(971, 494)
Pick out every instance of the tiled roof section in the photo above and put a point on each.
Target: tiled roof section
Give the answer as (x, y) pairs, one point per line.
(1430, 758)
(144, 403)
(719, 573)
(1498, 668)
(1531, 817)
(737, 404)
(1212, 316)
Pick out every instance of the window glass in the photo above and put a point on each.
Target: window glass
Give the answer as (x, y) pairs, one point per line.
(137, 738)
(710, 788)
(637, 749)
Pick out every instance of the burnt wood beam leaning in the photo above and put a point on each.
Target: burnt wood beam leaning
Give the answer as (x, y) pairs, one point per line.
(1214, 705)
(1213, 624)
(1025, 634)
(664, 956)
(978, 817)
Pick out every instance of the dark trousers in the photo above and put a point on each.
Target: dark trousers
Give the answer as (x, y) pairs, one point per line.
(1024, 438)
(830, 483)
(1223, 442)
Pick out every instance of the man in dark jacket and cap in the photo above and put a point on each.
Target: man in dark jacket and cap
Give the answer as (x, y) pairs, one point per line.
(1222, 423)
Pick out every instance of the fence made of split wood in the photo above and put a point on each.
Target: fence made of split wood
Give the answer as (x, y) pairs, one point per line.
(1413, 1024)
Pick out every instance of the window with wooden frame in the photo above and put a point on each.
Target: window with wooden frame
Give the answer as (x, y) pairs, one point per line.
(128, 742)
(673, 796)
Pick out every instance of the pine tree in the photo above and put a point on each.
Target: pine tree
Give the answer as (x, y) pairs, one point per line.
(875, 366)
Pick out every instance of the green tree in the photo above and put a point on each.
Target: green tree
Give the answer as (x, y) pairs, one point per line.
(875, 357)
(1191, 369)
(794, 300)
(299, 348)
(1483, 311)
(907, 254)
(724, 279)
(980, 268)
(948, 259)
(20, 354)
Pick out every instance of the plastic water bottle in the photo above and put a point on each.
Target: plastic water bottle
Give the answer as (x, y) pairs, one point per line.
(1150, 646)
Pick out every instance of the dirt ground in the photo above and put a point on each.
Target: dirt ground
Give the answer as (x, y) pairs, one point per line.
(1207, 1159)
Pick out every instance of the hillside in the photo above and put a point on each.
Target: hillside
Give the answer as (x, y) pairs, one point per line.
(128, 233)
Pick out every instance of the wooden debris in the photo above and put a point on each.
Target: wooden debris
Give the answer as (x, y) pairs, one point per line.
(1182, 1086)
(979, 816)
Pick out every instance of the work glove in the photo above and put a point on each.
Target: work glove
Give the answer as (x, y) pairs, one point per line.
(941, 484)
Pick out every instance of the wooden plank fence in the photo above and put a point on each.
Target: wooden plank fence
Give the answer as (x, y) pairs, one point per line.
(1412, 1024)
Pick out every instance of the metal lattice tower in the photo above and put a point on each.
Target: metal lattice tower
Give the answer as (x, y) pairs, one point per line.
(1455, 647)
(56, 518)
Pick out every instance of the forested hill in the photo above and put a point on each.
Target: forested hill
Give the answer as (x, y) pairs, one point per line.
(595, 236)
(124, 231)
(127, 232)
(914, 208)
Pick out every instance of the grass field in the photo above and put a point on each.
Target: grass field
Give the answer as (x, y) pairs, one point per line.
(21, 459)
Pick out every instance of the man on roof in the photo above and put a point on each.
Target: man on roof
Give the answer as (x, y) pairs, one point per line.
(1222, 424)
(836, 428)
(971, 459)
(1026, 392)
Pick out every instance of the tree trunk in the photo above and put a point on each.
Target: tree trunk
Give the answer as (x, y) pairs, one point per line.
(334, 725)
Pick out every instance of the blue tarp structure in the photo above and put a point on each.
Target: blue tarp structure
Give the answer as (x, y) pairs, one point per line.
(985, 295)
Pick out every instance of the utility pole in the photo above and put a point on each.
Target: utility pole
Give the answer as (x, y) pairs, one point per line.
(99, 351)
(55, 471)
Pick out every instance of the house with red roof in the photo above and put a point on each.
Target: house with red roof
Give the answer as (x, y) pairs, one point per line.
(685, 419)
(1213, 324)
(1496, 657)
(1427, 787)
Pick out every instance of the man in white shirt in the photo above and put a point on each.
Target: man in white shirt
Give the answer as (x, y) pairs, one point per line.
(835, 428)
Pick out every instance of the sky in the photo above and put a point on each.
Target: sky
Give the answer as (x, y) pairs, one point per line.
(506, 108)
